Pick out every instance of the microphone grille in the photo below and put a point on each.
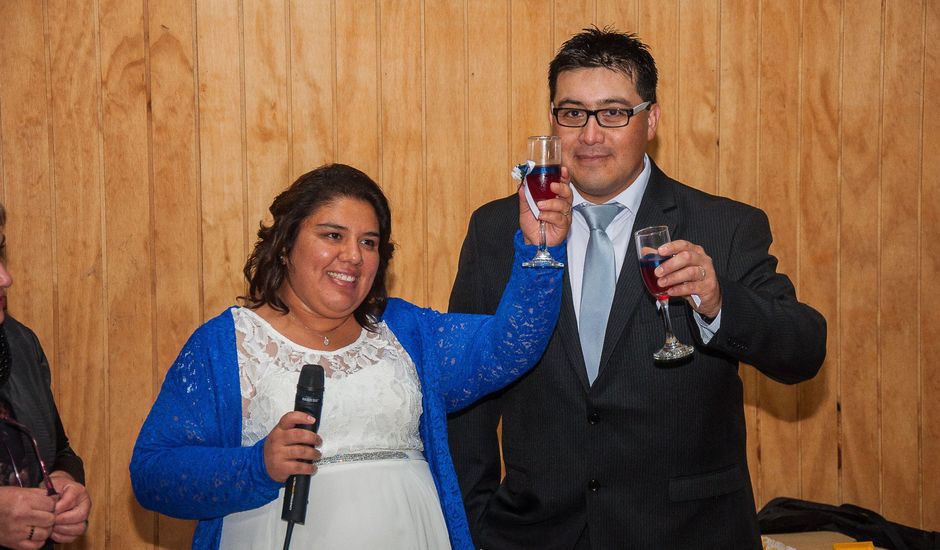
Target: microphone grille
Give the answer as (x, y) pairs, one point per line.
(311, 378)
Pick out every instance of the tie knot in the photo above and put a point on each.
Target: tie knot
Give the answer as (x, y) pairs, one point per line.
(599, 216)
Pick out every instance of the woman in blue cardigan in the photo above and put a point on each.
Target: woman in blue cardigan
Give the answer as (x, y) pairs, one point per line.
(222, 436)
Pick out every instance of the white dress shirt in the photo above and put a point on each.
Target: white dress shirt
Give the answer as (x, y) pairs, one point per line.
(620, 231)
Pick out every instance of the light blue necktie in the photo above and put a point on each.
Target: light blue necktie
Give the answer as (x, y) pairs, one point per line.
(597, 283)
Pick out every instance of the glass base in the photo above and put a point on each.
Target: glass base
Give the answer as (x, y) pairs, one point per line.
(673, 352)
(543, 259)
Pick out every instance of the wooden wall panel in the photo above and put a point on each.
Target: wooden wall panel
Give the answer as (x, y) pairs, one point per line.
(80, 362)
(141, 144)
(930, 271)
(266, 108)
(858, 236)
(778, 170)
(27, 181)
(176, 236)
(357, 83)
(819, 243)
(696, 110)
(738, 120)
(312, 79)
(129, 254)
(448, 176)
(568, 17)
(532, 48)
(402, 172)
(491, 141)
(620, 14)
(658, 27)
(900, 183)
(222, 153)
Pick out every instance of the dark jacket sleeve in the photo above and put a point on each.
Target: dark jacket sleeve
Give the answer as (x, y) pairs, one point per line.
(762, 322)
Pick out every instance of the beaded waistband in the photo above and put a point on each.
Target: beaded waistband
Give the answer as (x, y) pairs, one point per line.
(371, 455)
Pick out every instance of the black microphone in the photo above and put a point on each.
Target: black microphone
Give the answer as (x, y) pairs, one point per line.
(309, 400)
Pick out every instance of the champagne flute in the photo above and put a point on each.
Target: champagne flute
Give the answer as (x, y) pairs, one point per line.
(545, 152)
(648, 241)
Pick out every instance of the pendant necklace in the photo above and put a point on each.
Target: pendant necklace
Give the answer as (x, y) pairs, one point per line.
(326, 339)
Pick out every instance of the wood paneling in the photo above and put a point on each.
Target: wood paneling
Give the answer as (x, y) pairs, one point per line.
(819, 242)
(142, 142)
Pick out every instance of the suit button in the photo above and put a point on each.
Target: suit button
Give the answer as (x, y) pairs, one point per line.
(594, 418)
(594, 485)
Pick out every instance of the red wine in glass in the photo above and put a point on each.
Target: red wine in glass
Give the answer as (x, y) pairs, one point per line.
(648, 265)
(545, 159)
(540, 181)
(648, 241)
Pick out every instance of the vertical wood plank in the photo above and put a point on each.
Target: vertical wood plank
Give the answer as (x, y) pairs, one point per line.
(658, 28)
(221, 165)
(819, 242)
(930, 272)
(778, 167)
(858, 250)
(81, 361)
(446, 138)
(402, 165)
(532, 49)
(569, 17)
(27, 192)
(266, 108)
(697, 107)
(738, 123)
(357, 83)
(129, 281)
(176, 222)
(901, 131)
(312, 125)
(620, 14)
(489, 108)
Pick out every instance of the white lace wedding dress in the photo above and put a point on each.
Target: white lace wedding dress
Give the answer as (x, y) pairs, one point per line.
(373, 489)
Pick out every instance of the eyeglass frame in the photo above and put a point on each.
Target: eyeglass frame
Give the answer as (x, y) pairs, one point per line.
(631, 112)
(46, 480)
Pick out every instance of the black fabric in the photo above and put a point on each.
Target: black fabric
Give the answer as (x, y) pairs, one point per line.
(4, 358)
(790, 515)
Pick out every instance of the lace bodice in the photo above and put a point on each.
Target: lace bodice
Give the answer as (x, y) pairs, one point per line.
(371, 397)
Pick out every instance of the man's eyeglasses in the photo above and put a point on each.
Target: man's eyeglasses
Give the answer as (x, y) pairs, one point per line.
(20, 469)
(612, 117)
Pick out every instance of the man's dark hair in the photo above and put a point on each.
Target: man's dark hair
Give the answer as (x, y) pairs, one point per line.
(609, 49)
(266, 269)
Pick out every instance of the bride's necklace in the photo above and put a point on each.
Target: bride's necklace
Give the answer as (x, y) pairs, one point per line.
(326, 338)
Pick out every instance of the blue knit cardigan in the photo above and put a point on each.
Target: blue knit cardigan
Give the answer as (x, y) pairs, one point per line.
(188, 461)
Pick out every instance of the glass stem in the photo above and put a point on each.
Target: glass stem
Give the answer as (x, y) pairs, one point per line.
(542, 247)
(667, 323)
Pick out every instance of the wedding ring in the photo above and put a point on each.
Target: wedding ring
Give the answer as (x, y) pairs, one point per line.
(703, 273)
(32, 530)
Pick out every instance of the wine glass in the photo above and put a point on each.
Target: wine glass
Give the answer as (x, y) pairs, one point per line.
(545, 152)
(648, 241)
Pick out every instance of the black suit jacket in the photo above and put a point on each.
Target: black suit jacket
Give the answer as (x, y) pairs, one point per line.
(651, 456)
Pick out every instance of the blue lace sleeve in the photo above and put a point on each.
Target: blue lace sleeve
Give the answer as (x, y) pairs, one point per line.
(473, 355)
(188, 462)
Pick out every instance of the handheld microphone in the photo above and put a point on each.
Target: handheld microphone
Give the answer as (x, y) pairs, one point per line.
(309, 400)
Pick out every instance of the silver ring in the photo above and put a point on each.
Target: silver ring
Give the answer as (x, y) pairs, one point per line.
(703, 273)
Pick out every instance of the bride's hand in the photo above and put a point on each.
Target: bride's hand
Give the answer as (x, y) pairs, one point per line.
(556, 213)
(286, 446)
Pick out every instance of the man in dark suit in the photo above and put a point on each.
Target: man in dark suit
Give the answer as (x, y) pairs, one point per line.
(608, 449)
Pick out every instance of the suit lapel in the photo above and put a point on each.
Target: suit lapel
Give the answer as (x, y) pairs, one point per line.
(658, 207)
(568, 332)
